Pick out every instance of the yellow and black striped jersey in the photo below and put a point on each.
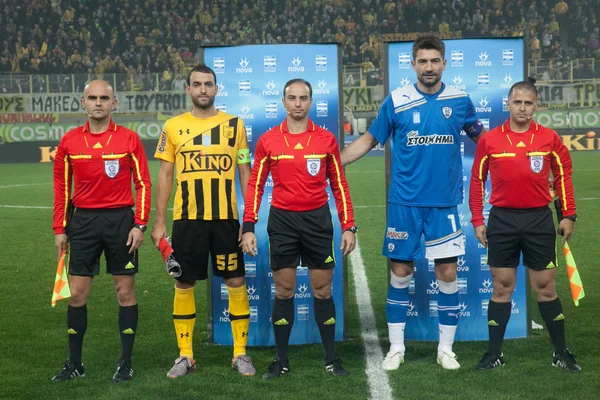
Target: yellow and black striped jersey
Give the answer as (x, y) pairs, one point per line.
(205, 152)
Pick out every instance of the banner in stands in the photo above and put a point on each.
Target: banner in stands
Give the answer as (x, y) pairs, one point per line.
(571, 118)
(485, 69)
(251, 81)
(363, 99)
(585, 94)
(16, 133)
(128, 102)
(580, 141)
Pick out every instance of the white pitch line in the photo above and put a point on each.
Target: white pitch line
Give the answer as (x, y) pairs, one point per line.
(375, 206)
(588, 198)
(26, 207)
(25, 185)
(379, 385)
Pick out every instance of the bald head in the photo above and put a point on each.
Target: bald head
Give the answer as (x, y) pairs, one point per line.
(98, 85)
(98, 100)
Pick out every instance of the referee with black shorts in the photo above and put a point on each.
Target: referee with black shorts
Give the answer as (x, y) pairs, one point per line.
(300, 156)
(519, 156)
(93, 170)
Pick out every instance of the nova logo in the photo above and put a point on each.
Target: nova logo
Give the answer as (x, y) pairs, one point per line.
(325, 127)
(302, 292)
(221, 92)
(195, 161)
(322, 87)
(413, 139)
(271, 91)
(225, 317)
(244, 69)
(486, 287)
(434, 288)
(507, 82)
(460, 265)
(296, 67)
(458, 83)
(483, 105)
(483, 62)
(463, 222)
(404, 81)
(513, 307)
(487, 195)
(245, 112)
(462, 307)
(411, 312)
(251, 293)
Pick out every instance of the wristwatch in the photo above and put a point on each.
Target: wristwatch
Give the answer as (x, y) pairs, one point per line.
(141, 227)
(572, 217)
(352, 229)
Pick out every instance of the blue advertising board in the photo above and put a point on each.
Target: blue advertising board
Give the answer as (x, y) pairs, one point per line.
(251, 81)
(485, 69)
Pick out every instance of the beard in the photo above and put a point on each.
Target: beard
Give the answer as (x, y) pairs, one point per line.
(429, 83)
(203, 106)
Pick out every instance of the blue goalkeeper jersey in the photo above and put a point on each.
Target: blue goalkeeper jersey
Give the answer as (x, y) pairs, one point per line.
(425, 133)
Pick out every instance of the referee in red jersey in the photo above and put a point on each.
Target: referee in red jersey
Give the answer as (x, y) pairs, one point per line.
(301, 156)
(519, 156)
(93, 170)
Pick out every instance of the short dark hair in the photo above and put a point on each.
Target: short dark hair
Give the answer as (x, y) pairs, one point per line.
(428, 42)
(201, 68)
(524, 85)
(298, 80)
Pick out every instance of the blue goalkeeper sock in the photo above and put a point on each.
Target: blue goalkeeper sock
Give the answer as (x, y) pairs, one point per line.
(448, 311)
(396, 309)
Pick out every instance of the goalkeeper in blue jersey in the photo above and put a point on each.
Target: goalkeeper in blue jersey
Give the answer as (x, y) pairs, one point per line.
(424, 123)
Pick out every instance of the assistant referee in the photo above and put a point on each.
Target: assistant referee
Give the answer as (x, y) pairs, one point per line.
(93, 170)
(301, 156)
(519, 155)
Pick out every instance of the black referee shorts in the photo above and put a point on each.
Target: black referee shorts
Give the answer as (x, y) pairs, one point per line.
(92, 232)
(195, 240)
(511, 232)
(306, 235)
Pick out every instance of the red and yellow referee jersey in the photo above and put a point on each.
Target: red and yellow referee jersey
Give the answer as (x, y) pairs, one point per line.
(206, 152)
(300, 165)
(519, 165)
(100, 168)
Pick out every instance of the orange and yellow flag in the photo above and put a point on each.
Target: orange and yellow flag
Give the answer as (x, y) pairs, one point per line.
(61, 282)
(574, 278)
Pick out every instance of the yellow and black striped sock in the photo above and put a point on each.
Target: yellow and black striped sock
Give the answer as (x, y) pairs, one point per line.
(184, 318)
(239, 314)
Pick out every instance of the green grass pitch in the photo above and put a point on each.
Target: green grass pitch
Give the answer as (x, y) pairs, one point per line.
(34, 342)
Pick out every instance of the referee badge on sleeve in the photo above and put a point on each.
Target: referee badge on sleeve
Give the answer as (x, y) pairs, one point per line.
(536, 163)
(313, 166)
(111, 167)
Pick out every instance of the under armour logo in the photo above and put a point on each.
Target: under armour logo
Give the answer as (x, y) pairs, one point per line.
(182, 335)
(187, 131)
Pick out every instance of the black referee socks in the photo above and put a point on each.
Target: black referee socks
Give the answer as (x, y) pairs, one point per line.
(76, 327)
(325, 317)
(498, 316)
(283, 320)
(552, 314)
(128, 320)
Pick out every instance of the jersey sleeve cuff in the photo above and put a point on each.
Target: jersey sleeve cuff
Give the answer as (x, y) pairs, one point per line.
(477, 221)
(140, 221)
(59, 230)
(347, 225)
(247, 227)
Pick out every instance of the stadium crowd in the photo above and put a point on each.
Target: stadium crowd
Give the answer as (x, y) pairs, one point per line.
(133, 37)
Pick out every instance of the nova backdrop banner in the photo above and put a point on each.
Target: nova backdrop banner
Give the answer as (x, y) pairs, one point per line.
(251, 80)
(485, 69)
